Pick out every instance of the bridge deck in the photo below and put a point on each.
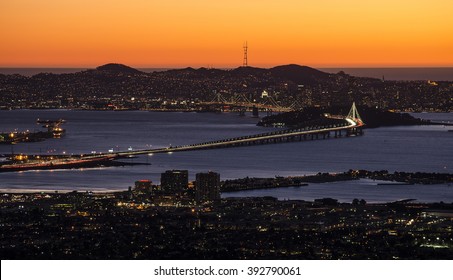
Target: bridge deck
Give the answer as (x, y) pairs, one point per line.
(349, 124)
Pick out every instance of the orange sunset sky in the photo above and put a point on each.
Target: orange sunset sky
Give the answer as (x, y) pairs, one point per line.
(177, 33)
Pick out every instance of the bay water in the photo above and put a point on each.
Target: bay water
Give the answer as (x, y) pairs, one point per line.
(408, 148)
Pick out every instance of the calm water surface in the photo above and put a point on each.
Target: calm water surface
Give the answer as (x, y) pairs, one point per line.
(415, 148)
(366, 189)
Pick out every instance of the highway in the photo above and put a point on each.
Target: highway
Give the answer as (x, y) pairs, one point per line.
(248, 140)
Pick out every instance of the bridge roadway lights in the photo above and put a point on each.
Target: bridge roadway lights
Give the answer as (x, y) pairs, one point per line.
(267, 138)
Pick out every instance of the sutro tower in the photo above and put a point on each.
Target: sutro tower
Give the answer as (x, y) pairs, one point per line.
(245, 64)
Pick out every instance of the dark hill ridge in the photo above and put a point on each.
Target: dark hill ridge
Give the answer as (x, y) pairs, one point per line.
(292, 72)
(248, 70)
(299, 74)
(118, 68)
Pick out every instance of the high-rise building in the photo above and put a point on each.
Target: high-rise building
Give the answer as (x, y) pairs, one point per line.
(174, 181)
(145, 187)
(207, 186)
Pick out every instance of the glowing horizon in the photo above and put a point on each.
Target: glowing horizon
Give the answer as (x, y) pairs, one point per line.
(203, 33)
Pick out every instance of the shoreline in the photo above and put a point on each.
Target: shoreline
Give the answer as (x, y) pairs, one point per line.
(118, 194)
(396, 179)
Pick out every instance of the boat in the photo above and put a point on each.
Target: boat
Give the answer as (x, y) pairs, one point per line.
(57, 132)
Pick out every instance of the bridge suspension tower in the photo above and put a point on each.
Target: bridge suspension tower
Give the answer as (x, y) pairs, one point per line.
(354, 115)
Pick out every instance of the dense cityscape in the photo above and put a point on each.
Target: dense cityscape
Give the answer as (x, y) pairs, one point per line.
(119, 87)
(188, 220)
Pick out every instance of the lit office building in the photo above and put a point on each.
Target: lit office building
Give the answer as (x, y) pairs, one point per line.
(174, 181)
(207, 186)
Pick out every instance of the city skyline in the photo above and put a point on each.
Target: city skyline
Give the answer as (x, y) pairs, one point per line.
(204, 33)
(194, 131)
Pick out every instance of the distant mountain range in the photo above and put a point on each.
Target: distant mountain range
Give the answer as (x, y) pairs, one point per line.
(291, 72)
(389, 74)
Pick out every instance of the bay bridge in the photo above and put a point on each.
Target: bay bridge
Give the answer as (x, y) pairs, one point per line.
(344, 126)
(333, 126)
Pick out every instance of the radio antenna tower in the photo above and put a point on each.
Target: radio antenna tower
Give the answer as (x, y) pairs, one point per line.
(245, 64)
